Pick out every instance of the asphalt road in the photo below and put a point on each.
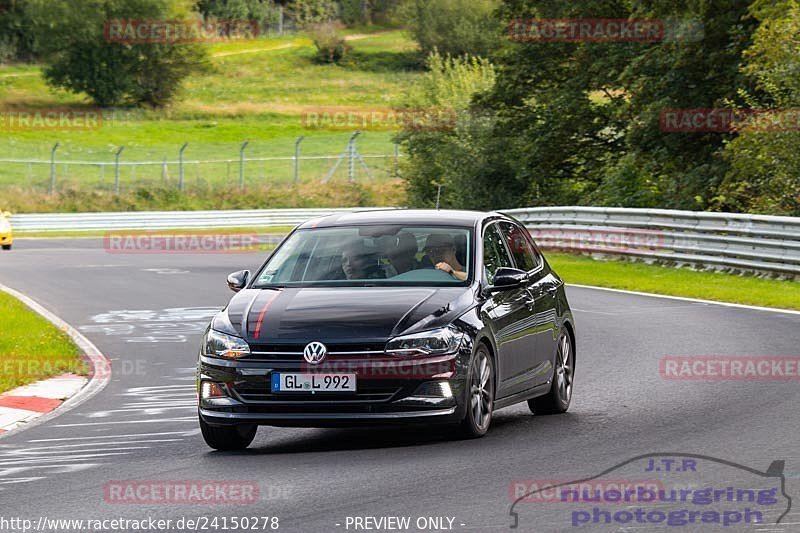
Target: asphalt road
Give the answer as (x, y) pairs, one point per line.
(146, 313)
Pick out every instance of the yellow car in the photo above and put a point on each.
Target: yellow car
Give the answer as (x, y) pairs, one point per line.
(6, 235)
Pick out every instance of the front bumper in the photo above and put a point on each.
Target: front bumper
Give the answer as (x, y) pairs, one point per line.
(389, 391)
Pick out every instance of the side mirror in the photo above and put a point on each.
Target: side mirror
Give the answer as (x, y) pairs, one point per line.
(507, 278)
(238, 280)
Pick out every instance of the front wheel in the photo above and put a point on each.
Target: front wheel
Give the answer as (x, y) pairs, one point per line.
(228, 438)
(480, 395)
(557, 400)
(6, 247)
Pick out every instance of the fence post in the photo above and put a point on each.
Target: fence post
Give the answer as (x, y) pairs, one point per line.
(351, 150)
(396, 160)
(280, 20)
(297, 158)
(116, 169)
(241, 164)
(53, 168)
(180, 166)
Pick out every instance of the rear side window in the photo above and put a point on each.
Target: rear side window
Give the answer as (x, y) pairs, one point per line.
(495, 255)
(524, 255)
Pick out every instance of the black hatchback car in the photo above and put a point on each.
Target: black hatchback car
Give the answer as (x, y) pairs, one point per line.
(381, 317)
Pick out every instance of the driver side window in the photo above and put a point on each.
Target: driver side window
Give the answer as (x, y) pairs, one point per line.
(495, 255)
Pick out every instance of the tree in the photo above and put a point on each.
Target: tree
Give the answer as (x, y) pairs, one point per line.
(454, 27)
(16, 42)
(764, 174)
(580, 122)
(261, 11)
(81, 59)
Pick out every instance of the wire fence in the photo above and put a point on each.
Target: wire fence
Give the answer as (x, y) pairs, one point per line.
(117, 174)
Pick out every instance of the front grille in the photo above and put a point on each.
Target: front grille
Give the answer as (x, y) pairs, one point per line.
(294, 352)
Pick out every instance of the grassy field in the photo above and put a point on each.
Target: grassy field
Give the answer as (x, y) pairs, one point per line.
(259, 90)
(31, 348)
(676, 281)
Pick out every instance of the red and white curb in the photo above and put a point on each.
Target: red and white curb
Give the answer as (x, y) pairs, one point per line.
(33, 404)
(26, 403)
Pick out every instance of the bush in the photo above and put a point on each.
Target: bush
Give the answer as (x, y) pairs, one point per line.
(79, 58)
(331, 47)
(454, 27)
(453, 158)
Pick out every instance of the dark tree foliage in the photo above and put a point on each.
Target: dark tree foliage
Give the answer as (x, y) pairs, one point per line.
(17, 42)
(80, 58)
(580, 122)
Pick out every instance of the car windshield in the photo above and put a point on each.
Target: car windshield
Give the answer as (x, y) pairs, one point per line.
(385, 255)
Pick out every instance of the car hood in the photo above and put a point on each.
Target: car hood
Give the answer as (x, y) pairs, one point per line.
(343, 315)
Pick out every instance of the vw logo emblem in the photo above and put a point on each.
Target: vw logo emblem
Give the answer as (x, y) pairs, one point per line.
(314, 352)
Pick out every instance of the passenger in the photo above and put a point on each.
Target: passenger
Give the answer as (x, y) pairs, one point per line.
(441, 250)
(401, 250)
(361, 262)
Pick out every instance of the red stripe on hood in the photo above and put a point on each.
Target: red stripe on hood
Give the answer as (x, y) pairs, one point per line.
(257, 332)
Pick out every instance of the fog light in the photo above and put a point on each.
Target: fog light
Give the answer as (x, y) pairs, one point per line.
(209, 390)
(435, 389)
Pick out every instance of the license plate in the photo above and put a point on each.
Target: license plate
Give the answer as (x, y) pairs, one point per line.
(313, 382)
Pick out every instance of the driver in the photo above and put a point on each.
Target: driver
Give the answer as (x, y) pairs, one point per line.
(441, 249)
(360, 262)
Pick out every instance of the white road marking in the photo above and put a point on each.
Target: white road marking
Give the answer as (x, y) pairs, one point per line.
(684, 299)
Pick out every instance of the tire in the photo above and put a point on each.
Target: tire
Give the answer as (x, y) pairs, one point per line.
(557, 400)
(479, 395)
(6, 247)
(228, 438)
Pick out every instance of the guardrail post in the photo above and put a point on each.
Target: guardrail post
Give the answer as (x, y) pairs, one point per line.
(297, 158)
(53, 168)
(180, 166)
(241, 164)
(116, 169)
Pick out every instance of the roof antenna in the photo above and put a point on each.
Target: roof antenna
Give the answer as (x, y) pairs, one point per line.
(438, 196)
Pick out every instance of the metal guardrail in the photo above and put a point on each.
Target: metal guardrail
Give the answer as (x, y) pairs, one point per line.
(738, 242)
(158, 220)
(729, 241)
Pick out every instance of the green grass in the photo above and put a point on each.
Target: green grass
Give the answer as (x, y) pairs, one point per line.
(31, 348)
(641, 277)
(260, 94)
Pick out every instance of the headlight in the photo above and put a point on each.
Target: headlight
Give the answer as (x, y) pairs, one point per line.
(434, 342)
(218, 344)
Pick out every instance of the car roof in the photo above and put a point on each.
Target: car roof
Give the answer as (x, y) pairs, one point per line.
(430, 217)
